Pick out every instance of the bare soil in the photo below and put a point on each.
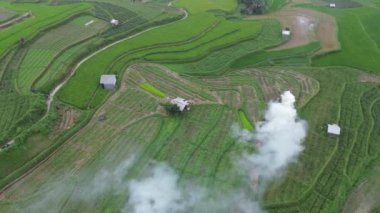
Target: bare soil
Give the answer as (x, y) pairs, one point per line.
(366, 196)
(306, 26)
(67, 118)
(368, 78)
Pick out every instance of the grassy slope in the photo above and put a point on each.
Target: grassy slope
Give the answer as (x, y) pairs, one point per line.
(267, 56)
(44, 16)
(359, 39)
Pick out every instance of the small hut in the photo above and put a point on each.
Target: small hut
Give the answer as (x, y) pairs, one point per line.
(286, 32)
(114, 22)
(108, 82)
(333, 129)
(181, 103)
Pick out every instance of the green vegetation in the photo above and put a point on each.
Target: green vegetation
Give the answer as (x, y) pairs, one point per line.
(271, 56)
(360, 53)
(44, 16)
(153, 90)
(197, 6)
(244, 121)
(44, 50)
(224, 65)
(274, 5)
(186, 33)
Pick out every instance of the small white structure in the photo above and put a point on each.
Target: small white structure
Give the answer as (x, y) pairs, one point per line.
(332, 5)
(181, 103)
(108, 82)
(286, 32)
(114, 22)
(333, 129)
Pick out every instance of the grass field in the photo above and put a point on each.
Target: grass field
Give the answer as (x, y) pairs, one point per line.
(153, 90)
(197, 6)
(353, 24)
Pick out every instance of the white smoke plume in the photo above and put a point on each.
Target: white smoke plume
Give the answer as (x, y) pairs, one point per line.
(159, 192)
(278, 139)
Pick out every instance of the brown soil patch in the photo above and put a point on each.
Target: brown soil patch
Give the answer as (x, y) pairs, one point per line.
(366, 196)
(369, 78)
(67, 117)
(306, 26)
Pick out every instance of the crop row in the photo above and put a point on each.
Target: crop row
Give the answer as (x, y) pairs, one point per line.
(44, 16)
(92, 69)
(41, 53)
(219, 61)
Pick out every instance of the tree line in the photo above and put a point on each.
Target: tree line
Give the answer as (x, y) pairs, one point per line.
(253, 6)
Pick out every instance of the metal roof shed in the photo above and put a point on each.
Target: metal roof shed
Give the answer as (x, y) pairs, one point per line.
(108, 82)
(333, 129)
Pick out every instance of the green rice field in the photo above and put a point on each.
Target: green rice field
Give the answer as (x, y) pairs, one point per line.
(68, 145)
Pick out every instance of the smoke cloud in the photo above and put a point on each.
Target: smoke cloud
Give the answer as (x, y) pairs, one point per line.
(108, 180)
(159, 192)
(278, 139)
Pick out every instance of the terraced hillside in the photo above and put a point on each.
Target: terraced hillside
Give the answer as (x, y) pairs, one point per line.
(31, 68)
(124, 126)
(93, 145)
(42, 52)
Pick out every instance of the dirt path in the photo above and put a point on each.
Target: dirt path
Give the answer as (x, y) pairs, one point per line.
(306, 26)
(15, 20)
(366, 196)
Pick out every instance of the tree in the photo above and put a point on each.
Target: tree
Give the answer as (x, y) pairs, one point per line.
(172, 109)
(253, 6)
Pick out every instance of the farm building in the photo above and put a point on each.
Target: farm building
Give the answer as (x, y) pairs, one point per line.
(114, 22)
(333, 129)
(108, 82)
(286, 32)
(332, 5)
(181, 103)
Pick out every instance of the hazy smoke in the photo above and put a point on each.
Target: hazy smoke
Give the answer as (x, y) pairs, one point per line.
(108, 180)
(159, 192)
(278, 139)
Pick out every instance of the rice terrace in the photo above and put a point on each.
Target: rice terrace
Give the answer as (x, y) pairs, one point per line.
(169, 106)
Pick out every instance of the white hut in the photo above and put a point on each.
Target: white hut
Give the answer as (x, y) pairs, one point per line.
(181, 103)
(333, 129)
(114, 22)
(332, 5)
(286, 32)
(108, 82)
